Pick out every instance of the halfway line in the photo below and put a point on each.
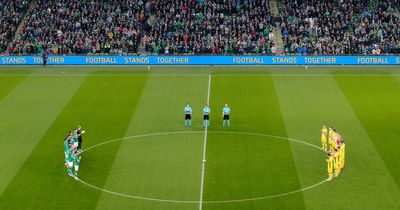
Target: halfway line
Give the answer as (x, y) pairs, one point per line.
(203, 167)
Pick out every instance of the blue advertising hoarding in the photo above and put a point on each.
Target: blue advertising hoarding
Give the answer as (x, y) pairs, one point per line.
(202, 60)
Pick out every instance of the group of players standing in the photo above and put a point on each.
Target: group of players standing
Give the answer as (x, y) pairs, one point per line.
(336, 151)
(330, 137)
(226, 111)
(72, 149)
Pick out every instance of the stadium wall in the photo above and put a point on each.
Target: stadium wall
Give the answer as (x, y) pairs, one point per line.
(202, 60)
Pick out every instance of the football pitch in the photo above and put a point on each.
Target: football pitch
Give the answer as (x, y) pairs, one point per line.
(139, 155)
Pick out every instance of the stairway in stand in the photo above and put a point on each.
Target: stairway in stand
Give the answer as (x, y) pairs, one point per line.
(141, 48)
(273, 5)
(21, 25)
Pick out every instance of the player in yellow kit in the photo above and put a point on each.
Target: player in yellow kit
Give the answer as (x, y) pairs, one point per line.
(340, 156)
(330, 160)
(342, 153)
(336, 155)
(335, 138)
(330, 139)
(323, 138)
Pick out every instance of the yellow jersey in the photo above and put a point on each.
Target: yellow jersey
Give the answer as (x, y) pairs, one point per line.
(342, 150)
(334, 143)
(337, 156)
(330, 133)
(330, 161)
(323, 135)
(324, 131)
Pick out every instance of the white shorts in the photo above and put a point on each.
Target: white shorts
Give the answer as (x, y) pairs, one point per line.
(76, 167)
(75, 144)
(70, 164)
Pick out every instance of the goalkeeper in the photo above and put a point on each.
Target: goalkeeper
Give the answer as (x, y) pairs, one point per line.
(79, 132)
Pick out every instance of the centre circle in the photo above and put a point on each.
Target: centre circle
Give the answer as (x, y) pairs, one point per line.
(244, 135)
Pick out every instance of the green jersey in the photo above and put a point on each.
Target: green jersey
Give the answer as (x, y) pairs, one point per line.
(74, 135)
(65, 146)
(74, 138)
(69, 156)
(76, 160)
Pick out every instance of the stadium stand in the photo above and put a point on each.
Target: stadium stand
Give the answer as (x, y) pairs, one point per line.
(81, 27)
(11, 14)
(340, 27)
(209, 27)
(377, 29)
(218, 27)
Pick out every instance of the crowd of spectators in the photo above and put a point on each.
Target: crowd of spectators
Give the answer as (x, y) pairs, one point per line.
(340, 26)
(378, 30)
(209, 27)
(168, 27)
(85, 26)
(11, 14)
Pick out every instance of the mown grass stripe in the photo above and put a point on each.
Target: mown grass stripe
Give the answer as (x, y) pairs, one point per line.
(246, 166)
(25, 115)
(171, 169)
(9, 83)
(376, 101)
(307, 104)
(103, 106)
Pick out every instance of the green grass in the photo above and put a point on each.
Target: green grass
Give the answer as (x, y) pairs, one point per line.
(246, 165)
(39, 105)
(378, 111)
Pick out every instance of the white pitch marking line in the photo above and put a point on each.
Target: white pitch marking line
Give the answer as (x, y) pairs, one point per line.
(194, 202)
(139, 136)
(210, 201)
(249, 74)
(203, 166)
(122, 74)
(136, 197)
(266, 197)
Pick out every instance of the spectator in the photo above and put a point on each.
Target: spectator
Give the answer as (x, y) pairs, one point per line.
(340, 27)
(117, 27)
(11, 14)
(210, 27)
(76, 27)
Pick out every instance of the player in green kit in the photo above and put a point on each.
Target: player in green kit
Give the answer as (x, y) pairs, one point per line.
(68, 159)
(71, 153)
(74, 137)
(188, 115)
(66, 147)
(76, 159)
(225, 115)
(65, 152)
(206, 118)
